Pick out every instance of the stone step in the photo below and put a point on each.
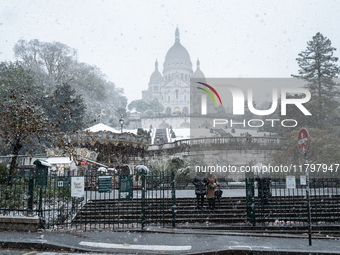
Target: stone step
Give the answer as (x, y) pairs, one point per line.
(228, 210)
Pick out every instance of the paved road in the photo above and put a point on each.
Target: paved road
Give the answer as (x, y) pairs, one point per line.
(157, 240)
(28, 252)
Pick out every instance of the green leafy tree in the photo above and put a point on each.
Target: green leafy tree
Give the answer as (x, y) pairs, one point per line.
(14, 76)
(65, 108)
(180, 167)
(323, 149)
(144, 106)
(141, 131)
(22, 123)
(138, 105)
(172, 132)
(173, 135)
(318, 68)
(54, 64)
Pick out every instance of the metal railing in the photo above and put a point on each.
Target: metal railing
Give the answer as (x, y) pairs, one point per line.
(255, 141)
(119, 201)
(274, 204)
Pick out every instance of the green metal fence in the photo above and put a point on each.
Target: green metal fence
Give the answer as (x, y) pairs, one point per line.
(281, 200)
(109, 201)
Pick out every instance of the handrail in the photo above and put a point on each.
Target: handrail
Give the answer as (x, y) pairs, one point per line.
(219, 140)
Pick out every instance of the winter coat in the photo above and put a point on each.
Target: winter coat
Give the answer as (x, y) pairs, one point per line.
(200, 185)
(211, 187)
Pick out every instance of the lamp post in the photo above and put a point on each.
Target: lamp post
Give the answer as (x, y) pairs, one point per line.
(121, 122)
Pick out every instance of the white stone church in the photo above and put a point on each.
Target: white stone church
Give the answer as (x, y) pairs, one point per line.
(172, 87)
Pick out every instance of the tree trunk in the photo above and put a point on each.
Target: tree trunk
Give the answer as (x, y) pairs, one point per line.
(12, 167)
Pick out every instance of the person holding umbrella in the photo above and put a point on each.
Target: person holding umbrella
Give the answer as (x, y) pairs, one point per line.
(211, 187)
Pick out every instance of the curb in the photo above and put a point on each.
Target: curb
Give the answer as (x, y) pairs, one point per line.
(48, 246)
(40, 246)
(261, 252)
(213, 232)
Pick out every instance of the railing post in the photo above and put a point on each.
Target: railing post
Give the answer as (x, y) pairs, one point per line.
(143, 199)
(250, 197)
(40, 208)
(173, 191)
(30, 194)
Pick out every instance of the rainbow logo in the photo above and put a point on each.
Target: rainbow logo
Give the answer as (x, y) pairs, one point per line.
(209, 93)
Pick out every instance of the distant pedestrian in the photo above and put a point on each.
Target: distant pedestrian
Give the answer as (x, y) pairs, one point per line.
(218, 194)
(211, 187)
(200, 182)
(248, 137)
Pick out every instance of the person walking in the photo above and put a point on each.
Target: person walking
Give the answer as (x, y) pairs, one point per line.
(211, 187)
(200, 182)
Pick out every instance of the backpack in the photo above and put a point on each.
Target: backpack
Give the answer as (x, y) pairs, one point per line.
(218, 193)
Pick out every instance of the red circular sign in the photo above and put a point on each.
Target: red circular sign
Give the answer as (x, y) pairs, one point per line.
(303, 140)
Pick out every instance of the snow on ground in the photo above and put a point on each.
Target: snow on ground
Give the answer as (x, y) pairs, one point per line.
(184, 133)
(102, 127)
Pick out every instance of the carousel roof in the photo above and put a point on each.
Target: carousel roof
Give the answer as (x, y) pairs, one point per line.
(101, 127)
(103, 134)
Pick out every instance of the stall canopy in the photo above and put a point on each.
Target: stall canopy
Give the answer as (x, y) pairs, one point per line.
(59, 160)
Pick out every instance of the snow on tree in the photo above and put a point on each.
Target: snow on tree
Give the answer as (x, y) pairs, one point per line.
(146, 106)
(22, 124)
(55, 63)
(66, 108)
(318, 68)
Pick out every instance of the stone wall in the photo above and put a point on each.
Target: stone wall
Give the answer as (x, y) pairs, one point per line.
(225, 156)
(19, 223)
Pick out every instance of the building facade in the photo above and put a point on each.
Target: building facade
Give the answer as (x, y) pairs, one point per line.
(172, 87)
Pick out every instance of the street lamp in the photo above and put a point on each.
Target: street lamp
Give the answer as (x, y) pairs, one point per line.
(121, 122)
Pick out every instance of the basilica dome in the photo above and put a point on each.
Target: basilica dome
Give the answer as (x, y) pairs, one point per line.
(198, 73)
(177, 54)
(156, 76)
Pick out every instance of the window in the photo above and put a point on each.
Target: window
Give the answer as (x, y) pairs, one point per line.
(185, 110)
(176, 93)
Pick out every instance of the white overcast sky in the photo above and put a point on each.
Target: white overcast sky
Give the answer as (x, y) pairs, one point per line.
(124, 38)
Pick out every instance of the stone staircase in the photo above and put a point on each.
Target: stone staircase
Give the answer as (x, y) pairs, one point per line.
(230, 210)
(229, 215)
(160, 136)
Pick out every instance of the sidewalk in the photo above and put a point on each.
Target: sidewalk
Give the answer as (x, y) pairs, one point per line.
(155, 240)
